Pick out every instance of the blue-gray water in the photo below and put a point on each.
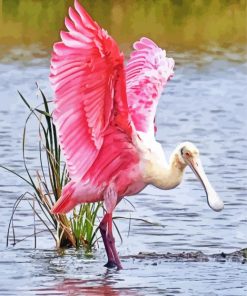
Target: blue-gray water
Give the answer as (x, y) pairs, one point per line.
(206, 103)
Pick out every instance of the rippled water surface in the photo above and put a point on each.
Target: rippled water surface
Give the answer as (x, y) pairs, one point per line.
(206, 103)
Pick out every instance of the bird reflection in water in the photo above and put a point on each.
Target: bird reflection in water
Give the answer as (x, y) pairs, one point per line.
(76, 287)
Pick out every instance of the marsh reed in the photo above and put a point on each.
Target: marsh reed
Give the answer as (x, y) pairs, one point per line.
(45, 186)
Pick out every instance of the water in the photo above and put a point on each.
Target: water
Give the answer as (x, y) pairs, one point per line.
(204, 103)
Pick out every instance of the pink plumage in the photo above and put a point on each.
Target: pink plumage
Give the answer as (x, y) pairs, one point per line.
(86, 73)
(99, 108)
(147, 72)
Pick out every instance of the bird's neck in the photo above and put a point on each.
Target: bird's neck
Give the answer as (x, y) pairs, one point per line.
(166, 176)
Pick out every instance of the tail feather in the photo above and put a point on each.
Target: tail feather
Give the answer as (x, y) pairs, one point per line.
(66, 202)
(75, 193)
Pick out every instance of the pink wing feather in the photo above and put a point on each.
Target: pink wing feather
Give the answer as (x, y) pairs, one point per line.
(147, 72)
(90, 90)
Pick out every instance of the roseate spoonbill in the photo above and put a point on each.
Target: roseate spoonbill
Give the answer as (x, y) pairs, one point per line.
(104, 113)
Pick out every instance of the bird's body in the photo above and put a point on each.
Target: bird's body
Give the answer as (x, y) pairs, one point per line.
(148, 166)
(105, 116)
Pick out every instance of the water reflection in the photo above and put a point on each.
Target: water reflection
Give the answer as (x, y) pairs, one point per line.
(76, 287)
(173, 24)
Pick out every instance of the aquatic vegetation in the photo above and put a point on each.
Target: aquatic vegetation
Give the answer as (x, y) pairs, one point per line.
(46, 186)
(184, 24)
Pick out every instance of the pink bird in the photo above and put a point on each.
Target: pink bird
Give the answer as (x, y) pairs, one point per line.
(105, 114)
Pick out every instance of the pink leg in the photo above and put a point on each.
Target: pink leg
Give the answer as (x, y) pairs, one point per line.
(111, 241)
(103, 230)
(110, 199)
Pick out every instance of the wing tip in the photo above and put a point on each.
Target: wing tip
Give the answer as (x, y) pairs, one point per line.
(144, 42)
(84, 15)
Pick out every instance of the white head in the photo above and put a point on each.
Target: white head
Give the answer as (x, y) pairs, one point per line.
(188, 154)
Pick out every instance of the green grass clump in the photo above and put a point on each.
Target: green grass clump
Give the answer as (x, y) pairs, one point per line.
(46, 186)
(82, 225)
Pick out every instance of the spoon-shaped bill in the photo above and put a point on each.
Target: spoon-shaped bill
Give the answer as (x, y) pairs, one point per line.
(213, 199)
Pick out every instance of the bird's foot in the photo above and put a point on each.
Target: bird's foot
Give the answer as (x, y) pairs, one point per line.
(110, 264)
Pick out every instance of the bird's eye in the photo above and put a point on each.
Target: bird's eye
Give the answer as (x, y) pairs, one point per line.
(187, 154)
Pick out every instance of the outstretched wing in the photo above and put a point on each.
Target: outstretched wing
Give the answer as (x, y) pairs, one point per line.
(87, 73)
(147, 72)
